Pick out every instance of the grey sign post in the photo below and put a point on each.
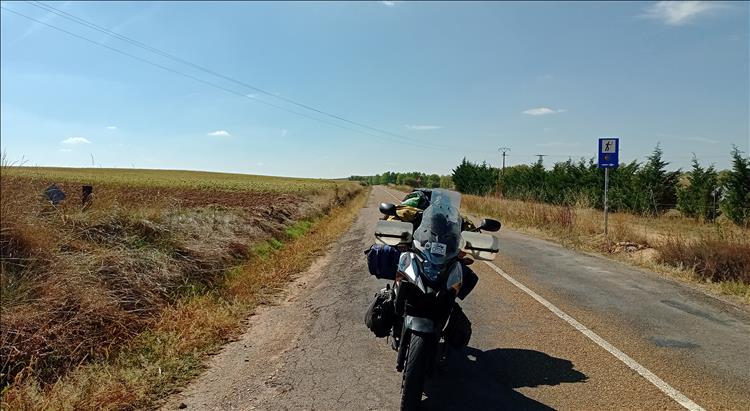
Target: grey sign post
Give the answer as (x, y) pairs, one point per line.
(609, 157)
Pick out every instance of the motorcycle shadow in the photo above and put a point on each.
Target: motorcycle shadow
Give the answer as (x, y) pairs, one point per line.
(481, 380)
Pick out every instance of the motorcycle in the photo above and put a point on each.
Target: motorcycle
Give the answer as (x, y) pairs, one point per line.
(432, 272)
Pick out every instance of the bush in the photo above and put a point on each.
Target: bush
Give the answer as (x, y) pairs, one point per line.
(736, 202)
(712, 259)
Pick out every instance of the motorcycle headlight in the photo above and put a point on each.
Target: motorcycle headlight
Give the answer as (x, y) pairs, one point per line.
(432, 271)
(455, 278)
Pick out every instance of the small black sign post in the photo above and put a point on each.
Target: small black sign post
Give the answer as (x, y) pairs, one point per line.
(609, 157)
(86, 194)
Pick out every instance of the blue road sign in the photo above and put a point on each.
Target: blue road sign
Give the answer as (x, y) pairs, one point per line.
(609, 152)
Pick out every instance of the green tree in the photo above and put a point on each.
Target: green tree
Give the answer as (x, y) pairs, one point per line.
(388, 178)
(736, 201)
(470, 178)
(658, 184)
(624, 191)
(446, 182)
(514, 182)
(433, 181)
(697, 198)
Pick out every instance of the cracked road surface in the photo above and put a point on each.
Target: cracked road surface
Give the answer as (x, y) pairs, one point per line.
(312, 350)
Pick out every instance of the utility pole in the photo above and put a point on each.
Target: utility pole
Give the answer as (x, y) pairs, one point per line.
(503, 150)
(541, 157)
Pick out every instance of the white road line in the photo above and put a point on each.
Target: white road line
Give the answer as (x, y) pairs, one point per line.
(645, 373)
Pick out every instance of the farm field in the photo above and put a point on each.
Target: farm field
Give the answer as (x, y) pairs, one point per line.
(111, 304)
(173, 179)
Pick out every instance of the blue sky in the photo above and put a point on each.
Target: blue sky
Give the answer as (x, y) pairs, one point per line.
(455, 79)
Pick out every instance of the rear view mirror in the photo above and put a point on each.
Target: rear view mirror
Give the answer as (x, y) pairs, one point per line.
(489, 224)
(388, 209)
(393, 232)
(480, 246)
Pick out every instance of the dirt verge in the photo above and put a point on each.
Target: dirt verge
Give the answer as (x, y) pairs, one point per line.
(81, 289)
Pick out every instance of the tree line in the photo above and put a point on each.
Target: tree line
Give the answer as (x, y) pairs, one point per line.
(647, 188)
(411, 178)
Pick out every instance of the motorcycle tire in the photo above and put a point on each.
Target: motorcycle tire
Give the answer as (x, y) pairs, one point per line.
(415, 372)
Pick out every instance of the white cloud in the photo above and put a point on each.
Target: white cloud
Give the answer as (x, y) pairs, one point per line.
(284, 132)
(75, 140)
(702, 140)
(219, 133)
(677, 13)
(389, 3)
(546, 77)
(423, 127)
(65, 150)
(111, 127)
(251, 95)
(542, 111)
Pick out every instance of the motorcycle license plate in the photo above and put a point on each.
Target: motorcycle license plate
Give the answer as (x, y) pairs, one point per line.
(438, 248)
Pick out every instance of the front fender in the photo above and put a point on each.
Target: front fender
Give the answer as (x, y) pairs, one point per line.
(422, 325)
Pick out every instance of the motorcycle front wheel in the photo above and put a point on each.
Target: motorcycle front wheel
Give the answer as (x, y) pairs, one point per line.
(421, 347)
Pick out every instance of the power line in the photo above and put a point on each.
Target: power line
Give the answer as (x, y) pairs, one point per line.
(386, 133)
(172, 57)
(183, 74)
(208, 83)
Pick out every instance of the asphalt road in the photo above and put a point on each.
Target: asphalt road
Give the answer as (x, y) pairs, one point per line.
(552, 329)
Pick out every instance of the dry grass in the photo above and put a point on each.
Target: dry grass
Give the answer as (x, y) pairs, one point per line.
(711, 258)
(112, 306)
(714, 253)
(171, 179)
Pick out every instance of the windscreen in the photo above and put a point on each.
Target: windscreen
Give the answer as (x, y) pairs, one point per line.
(439, 235)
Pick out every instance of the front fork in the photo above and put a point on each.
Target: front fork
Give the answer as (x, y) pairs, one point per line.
(442, 352)
(406, 325)
(403, 350)
(402, 347)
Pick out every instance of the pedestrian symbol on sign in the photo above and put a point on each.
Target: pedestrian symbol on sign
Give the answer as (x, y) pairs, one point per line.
(608, 152)
(609, 145)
